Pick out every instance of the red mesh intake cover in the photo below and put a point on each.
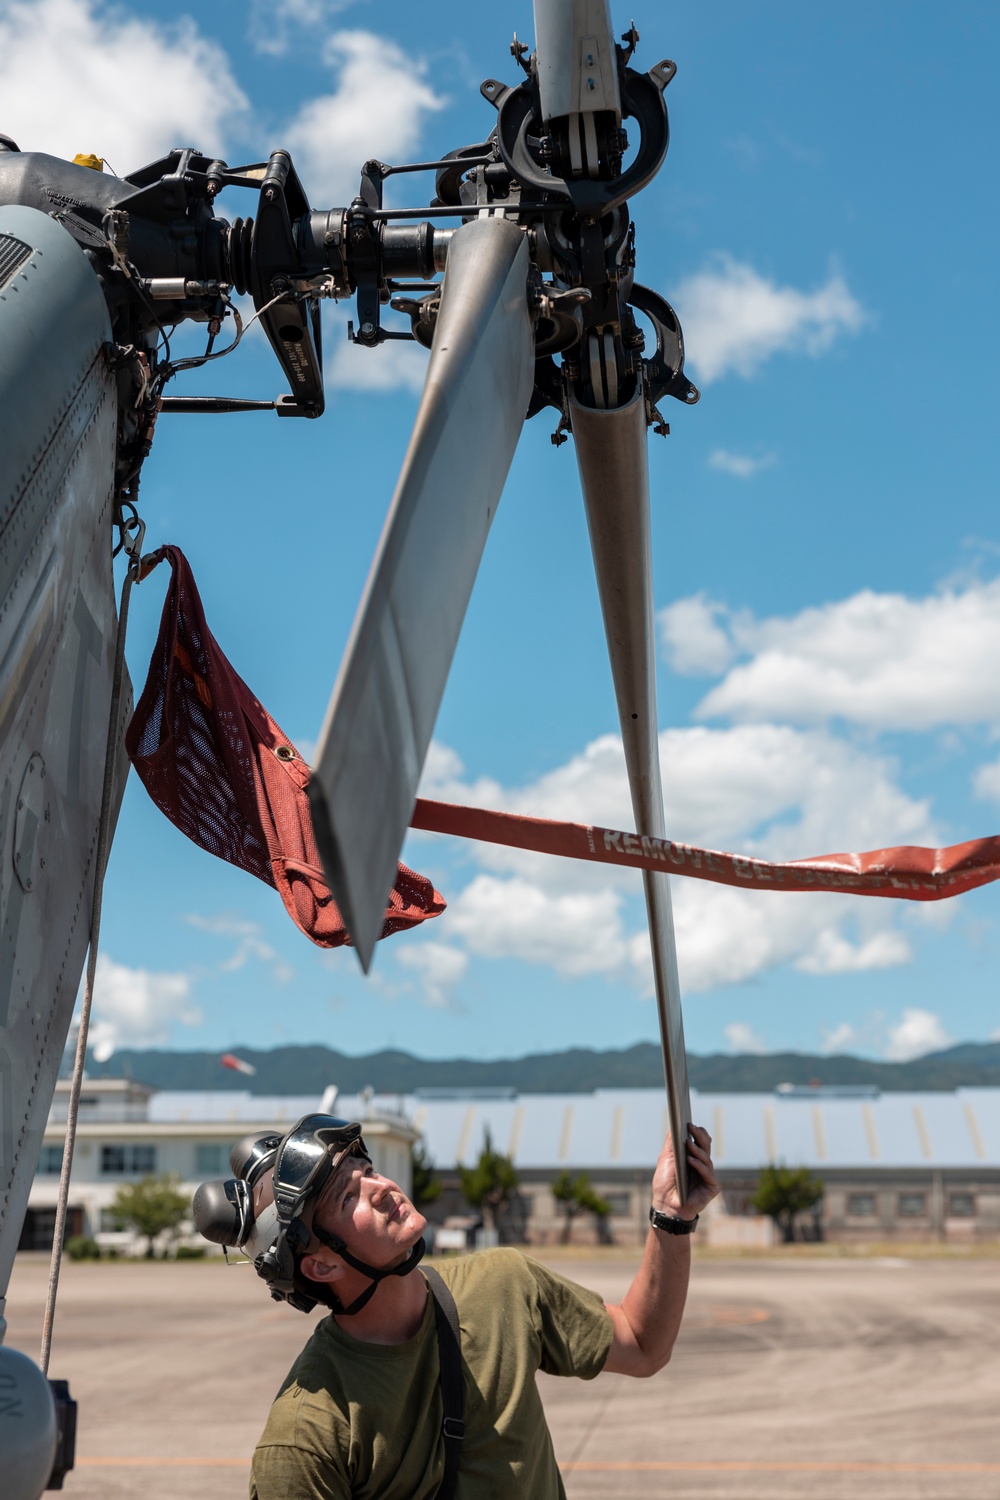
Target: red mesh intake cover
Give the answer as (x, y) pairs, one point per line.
(215, 762)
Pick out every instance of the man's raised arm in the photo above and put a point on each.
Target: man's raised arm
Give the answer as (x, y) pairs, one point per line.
(649, 1317)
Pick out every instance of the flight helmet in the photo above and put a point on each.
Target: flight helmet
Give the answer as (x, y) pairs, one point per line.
(266, 1209)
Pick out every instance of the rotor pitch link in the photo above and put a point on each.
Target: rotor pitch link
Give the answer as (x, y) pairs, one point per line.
(558, 324)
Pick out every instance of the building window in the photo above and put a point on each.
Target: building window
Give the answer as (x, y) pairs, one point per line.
(861, 1205)
(912, 1205)
(962, 1205)
(51, 1160)
(211, 1159)
(619, 1204)
(128, 1160)
(110, 1222)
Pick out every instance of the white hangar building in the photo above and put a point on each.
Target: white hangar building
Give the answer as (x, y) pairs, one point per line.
(905, 1166)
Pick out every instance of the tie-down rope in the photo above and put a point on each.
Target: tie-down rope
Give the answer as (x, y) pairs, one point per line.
(907, 873)
(133, 544)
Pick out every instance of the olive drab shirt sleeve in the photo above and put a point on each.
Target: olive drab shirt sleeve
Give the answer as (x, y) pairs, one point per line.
(573, 1324)
(291, 1473)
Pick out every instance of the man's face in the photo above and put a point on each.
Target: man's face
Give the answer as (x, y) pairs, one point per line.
(370, 1213)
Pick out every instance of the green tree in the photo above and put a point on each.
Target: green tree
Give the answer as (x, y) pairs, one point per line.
(594, 1204)
(426, 1184)
(564, 1192)
(575, 1196)
(490, 1184)
(782, 1192)
(150, 1206)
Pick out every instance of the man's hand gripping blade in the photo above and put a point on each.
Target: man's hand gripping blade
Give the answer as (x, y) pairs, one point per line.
(385, 702)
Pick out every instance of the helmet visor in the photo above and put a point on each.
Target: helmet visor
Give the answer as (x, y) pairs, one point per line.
(308, 1155)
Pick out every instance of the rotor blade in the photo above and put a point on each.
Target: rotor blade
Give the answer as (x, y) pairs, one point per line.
(382, 712)
(611, 453)
(577, 70)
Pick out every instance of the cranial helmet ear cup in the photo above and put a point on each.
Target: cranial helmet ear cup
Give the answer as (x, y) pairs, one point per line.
(221, 1211)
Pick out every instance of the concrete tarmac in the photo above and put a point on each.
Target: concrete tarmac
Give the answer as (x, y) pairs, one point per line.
(792, 1380)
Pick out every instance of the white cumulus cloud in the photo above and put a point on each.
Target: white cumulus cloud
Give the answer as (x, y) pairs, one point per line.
(740, 465)
(439, 967)
(575, 932)
(695, 636)
(273, 27)
(137, 1007)
(986, 782)
(842, 1038)
(250, 943)
(734, 318)
(743, 1038)
(832, 953)
(377, 109)
(918, 1032)
(885, 661)
(75, 75)
(393, 366)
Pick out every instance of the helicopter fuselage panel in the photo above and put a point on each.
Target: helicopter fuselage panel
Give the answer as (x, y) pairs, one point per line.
(58, 423)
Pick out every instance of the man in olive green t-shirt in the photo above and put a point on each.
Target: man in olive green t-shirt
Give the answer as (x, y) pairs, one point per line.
(359, 1415)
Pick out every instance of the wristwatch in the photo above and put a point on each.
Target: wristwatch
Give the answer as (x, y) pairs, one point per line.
(670, 1223)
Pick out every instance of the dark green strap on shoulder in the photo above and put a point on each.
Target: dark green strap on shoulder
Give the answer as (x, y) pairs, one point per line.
(449, 1339)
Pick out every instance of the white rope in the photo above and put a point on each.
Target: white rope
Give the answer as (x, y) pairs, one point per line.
(100, 866)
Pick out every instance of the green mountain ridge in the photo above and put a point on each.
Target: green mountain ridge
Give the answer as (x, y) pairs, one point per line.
(310, 1069)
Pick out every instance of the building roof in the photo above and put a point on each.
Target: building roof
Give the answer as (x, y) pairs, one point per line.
(242, 1108)
(623, 1128)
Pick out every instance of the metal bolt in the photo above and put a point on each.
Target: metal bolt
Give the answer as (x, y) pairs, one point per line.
(367, 329)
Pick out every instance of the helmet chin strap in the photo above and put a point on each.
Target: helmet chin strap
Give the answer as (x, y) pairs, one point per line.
(374, 1273)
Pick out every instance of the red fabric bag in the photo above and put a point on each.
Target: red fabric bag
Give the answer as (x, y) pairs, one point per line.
(215, 762)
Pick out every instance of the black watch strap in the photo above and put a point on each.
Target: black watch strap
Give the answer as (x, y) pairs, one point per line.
(670, 1223)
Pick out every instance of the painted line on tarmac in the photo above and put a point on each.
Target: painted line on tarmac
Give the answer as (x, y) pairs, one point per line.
(132, 1462)
(750, 1466)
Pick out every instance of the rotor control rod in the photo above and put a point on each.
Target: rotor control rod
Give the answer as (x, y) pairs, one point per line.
(181, 289)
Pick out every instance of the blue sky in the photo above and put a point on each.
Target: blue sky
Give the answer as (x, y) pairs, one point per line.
(825, 531)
